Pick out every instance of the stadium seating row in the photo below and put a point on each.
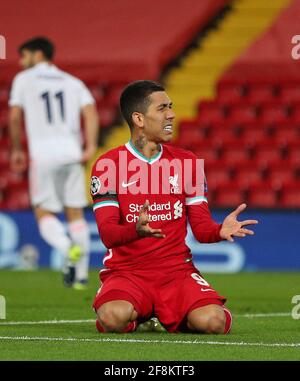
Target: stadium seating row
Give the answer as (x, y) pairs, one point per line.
(258, 92)
(260, 195)
(245, 112)
(249, 137)
(246, 174)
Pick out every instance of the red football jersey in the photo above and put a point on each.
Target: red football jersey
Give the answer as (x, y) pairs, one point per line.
(173, 181)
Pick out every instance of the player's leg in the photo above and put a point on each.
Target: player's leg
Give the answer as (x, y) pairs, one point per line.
(188, 303)
(46, 184)
(117, 316)
(212, 318)
(74, 200)
(80, 235)
(206, 313)
(46, 203)
(52, 230)
(122, 301)
(208, 319)
(54, 233)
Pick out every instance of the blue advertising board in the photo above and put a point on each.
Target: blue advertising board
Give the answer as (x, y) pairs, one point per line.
(275, 245)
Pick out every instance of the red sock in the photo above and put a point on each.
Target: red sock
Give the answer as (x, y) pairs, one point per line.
(228, 320)
(130, 327)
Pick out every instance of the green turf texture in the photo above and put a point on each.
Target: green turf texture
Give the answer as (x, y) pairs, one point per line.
(39, 295)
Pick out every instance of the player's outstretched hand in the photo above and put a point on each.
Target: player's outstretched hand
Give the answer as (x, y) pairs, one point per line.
(232, 227)
(142, 226)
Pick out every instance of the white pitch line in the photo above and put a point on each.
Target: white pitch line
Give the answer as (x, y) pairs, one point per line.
(47, 322)
(259, 315)
(111, 340)
(272, 314)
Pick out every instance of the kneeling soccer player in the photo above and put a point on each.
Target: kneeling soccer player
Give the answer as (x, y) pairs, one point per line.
(142, 216)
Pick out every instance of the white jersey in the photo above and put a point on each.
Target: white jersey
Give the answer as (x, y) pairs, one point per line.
(51, 100)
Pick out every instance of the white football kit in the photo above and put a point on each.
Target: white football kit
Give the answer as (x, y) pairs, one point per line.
(52, 101)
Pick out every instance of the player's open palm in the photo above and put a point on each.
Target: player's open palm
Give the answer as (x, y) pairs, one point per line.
(142, 226)
(232, 227)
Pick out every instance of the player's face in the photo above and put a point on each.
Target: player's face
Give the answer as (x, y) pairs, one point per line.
(159, 118)
(27, 59)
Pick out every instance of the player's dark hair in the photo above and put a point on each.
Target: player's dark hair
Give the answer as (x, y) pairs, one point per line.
(39, 43)
(135, 98)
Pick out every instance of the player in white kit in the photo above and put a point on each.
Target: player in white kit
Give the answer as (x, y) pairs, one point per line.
(52, 102)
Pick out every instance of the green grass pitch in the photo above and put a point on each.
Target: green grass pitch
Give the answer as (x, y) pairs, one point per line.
(261, 303)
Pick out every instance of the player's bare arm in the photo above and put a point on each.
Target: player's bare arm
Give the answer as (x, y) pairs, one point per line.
(142, 226)
(232, 227)
(91, 127)
(18, 156)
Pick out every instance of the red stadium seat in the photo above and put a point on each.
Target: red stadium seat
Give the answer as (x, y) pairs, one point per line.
(17, 199)
(14, 180)
(210, 112)
(230, 92)
(98, 92)
(191, 138)
(286, 133)
(273, 112)
(228, 195)
(252, 136)
(260, 92)
(290, 195)
(242, 113)
(1, 199)
(267, 152)
(3, 131)
(4, 96)
(290, 92)
(223, 133)
(262, 195)
(113, 93)
(216, 173)
(293, 152)
(4, 158)
(206, 150)
(295, 117)
(107, 115)
(279, 173)
(189, 124)
(247, 173)
(3, 181)
(3, 118)
(235, 152)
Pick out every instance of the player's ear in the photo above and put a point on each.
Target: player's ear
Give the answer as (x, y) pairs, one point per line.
(138, 119)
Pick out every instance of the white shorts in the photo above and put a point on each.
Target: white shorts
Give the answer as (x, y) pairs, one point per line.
(53, 188)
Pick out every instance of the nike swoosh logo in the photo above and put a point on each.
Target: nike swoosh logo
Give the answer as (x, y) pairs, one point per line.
(206, 289)
(124, 185)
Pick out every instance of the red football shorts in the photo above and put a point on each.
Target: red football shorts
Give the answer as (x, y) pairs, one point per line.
(169, 296)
